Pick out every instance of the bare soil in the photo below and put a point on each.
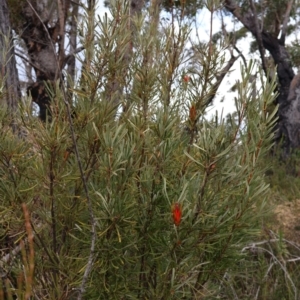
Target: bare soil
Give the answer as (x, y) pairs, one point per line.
(288, 220)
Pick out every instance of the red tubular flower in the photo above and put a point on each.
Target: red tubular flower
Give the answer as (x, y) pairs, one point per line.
(193, 113)
(186, 78)
(177, 212)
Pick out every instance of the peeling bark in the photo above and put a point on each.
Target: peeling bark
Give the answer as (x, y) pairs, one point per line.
(40, 41)
(44, 33)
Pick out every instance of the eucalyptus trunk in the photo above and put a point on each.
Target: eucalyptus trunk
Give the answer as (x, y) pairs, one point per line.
(288, 125)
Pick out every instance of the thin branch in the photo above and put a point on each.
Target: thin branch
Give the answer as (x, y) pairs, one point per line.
(54, 259)
(285, 21)
(29, 269)
(275, 240)
(220, 78)
(233, 42)
(8, 260)
(28, 61)
(241, 55)
(293, 259)
(70, 55)
(259, 38)
(77, 3)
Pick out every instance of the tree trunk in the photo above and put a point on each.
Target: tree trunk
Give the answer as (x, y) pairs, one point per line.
(288, 126)
(40, 41)
(43, 30)
(8, 69)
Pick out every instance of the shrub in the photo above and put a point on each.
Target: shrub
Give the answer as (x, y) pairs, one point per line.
(141, 196)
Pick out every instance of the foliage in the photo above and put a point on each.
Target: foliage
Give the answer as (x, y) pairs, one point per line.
(141, 161)
(294, 52)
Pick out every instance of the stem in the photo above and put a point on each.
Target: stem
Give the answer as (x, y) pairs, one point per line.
(53, 218)
(82, 175)
(51, 190)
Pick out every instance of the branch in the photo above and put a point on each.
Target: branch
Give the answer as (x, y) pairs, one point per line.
(272, 44)
(28, 61)
(259, 38)
(233, 42)
(246, 19)
(220, 78)
(285, 21)
(70, 55)
(241, 55)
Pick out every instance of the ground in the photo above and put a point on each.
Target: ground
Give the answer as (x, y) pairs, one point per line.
(288, 217)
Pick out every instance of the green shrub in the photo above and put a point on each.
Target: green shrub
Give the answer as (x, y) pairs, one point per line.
(101, 186)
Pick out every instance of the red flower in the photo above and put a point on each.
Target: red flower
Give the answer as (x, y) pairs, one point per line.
(186, 78)
(193, 113)
(177, 212)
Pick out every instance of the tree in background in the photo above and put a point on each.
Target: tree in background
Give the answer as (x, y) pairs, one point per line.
(48, 42)
(271, 23)
(48, 39)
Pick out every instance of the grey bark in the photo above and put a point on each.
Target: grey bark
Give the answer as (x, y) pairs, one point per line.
(44, 42)
(8, 69)
(40, 39)
(292, 112)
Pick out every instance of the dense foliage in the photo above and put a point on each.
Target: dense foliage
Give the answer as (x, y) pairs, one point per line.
(143, 200)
